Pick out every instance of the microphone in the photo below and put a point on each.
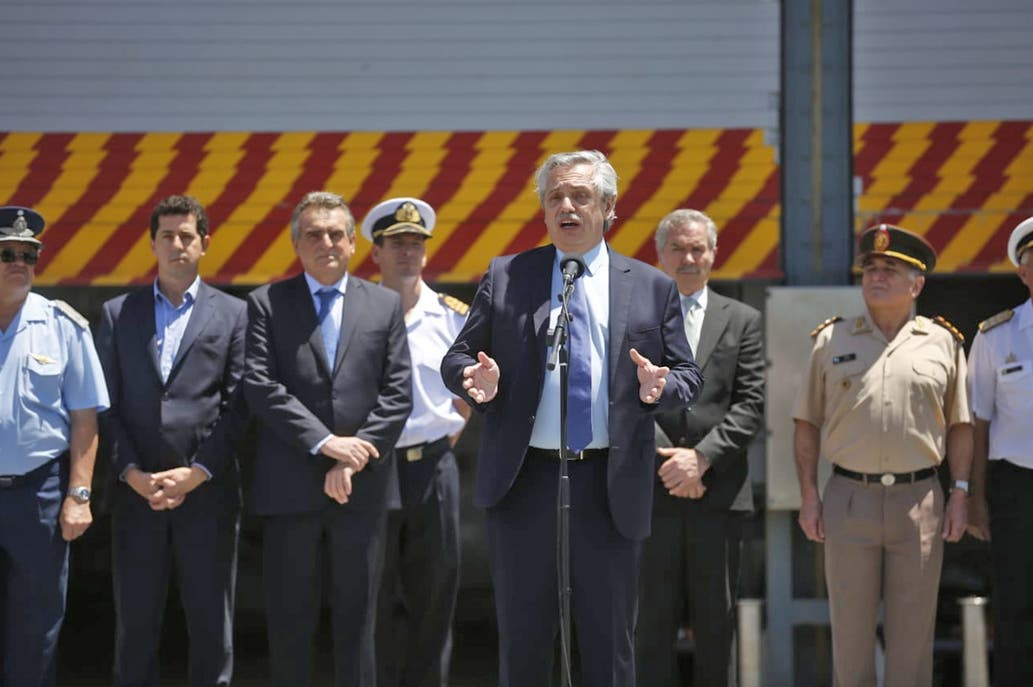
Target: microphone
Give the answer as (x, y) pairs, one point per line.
(572, 267)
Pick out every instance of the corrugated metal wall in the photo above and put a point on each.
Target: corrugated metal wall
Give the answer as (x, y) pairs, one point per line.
(389, 65)
(942, 60)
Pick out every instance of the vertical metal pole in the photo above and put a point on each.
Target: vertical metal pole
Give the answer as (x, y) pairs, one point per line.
(751, 666)
(974, 660)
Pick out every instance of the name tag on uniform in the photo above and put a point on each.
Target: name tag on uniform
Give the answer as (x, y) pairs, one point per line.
(845, 358)
(1012, 368)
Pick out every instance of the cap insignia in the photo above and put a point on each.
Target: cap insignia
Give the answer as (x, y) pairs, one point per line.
(20, 224)
(882, 239)
(408, 213)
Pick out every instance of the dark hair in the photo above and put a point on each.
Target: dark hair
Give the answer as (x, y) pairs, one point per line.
(179, 205)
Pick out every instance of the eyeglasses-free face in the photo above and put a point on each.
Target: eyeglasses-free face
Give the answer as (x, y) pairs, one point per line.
(29, 257)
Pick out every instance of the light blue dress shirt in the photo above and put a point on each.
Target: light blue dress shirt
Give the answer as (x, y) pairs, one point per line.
(330, 329)
(48, 367)
(170, 321)
(596, 283)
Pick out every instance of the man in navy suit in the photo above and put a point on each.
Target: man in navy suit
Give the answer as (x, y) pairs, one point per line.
(703, 491)
(328, 376)
(173, 356)
(631, 317)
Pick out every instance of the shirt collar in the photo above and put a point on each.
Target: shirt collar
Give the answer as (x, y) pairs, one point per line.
(595, 259)
(1025, 313)
(189, 296)
(700, 298)
(314, 286)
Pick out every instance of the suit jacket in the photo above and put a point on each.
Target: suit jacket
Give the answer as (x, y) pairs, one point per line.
(509, 320)
(722, 421)
(299, 400)
(198, 414)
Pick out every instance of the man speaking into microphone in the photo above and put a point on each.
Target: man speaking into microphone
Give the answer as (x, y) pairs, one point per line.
(628, 360)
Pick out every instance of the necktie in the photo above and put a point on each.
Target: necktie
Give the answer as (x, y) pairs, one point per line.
(693, 324)
(326, 303)
(579, 374)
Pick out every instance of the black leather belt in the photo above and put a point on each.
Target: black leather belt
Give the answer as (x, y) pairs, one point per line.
(428, 449)
(553, 454)
(8, 481)
(886, 479)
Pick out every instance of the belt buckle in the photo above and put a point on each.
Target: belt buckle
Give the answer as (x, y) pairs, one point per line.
(888, 479)
(413, 454)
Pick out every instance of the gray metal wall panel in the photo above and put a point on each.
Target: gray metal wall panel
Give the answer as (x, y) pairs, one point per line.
(942, 60)
(143, 65)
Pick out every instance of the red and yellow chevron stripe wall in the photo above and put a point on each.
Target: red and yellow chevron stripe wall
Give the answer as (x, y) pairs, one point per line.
(962, 184)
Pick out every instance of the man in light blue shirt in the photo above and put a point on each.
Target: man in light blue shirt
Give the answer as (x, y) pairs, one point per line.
(173, 355)
(51, 388)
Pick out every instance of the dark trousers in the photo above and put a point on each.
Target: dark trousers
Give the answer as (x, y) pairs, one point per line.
(521, 533)
(421, 577)
(198, 543)
(689, 563)
(346, 542)
(33, 575)
(1010, 489)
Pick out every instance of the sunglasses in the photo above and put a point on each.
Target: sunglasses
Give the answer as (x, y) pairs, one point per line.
(30, 257)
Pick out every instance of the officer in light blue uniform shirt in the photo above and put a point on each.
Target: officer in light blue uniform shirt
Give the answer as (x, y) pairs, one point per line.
(51, 389)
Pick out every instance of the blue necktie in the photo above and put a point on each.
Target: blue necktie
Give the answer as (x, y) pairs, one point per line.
(327, 297)
(579, 374)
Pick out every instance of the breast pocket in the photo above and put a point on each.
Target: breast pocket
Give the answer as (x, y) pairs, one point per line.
(41, 378)
(1014, 381)
(930, 376)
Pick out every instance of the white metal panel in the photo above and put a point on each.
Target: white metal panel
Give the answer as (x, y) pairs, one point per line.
(942, 60)
(145, 65)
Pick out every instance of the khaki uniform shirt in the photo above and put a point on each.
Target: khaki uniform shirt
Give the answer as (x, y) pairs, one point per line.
(884, 406)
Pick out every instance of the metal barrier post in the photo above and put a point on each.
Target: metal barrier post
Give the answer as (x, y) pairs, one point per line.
(974, 659)
(751, 663)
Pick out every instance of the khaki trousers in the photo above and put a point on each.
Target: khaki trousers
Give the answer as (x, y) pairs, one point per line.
(883, 542)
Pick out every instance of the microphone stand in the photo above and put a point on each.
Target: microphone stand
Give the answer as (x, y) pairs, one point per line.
(559, 353)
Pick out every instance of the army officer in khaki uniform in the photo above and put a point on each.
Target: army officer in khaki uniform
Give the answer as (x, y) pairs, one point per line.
(884, 400)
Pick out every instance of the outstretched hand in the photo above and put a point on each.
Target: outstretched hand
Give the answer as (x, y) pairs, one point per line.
(481, 380)
(651, 378)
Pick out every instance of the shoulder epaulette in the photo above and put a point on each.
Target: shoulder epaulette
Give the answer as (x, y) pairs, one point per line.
(942, 321)
(826, 323)
(71, 313)
(453, 303)
(1000, 318)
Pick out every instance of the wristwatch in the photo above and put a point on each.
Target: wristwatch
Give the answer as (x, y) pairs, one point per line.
(961, 484)
(80, 494)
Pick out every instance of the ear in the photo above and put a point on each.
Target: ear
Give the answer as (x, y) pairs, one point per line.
(375, 254)
(916, 287)
(205, 242)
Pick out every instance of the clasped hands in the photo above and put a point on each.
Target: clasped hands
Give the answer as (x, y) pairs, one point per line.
(682, 472)
(481, 380)
(167, 489)
(351, 454)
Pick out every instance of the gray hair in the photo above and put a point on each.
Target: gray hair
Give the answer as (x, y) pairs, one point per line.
(604, 176)
(681, 218)
(325, 200)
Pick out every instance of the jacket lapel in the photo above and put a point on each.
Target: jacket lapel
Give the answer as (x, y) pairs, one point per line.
(621, 285)
(200, 314)
(715, 319)
(140, 308)
(352, 306)
(539, 295)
